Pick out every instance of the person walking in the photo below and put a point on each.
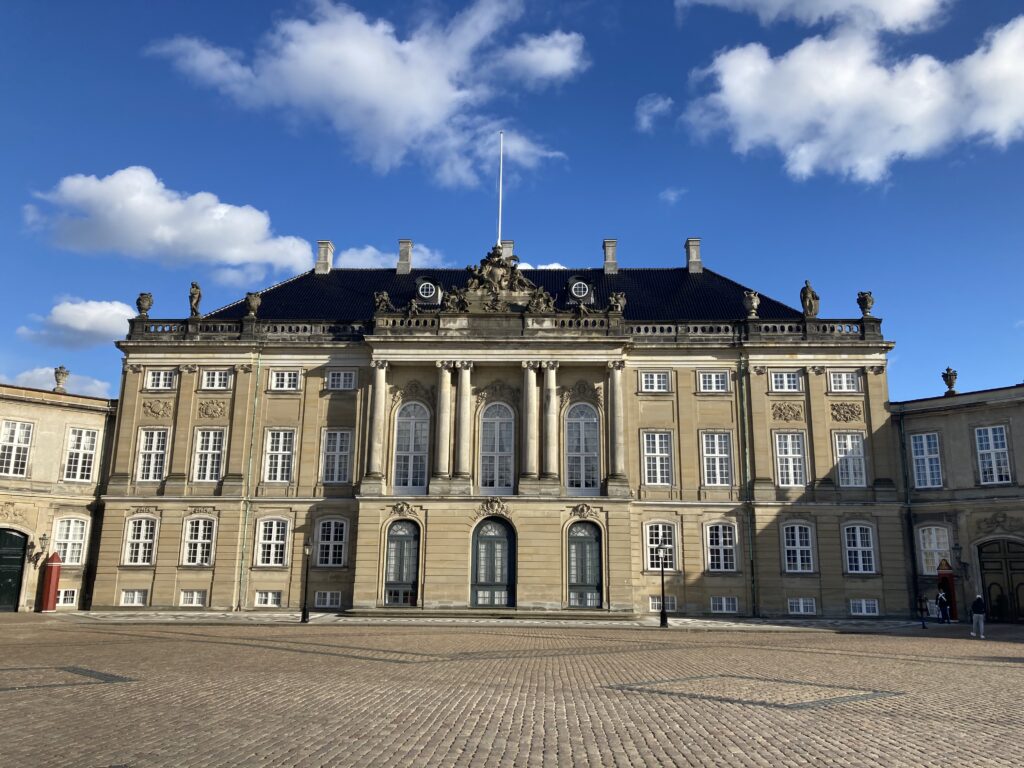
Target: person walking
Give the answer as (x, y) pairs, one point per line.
(978, 609)
(943, 604)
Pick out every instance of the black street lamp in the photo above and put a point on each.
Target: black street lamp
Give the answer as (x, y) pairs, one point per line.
(660, 549)
(305, 586)
(922, 609)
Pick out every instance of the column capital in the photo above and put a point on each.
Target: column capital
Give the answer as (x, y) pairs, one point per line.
(532, 365)
(464, 364)
(550, 364)
(445, 364)
(617, 365)
(379, 363)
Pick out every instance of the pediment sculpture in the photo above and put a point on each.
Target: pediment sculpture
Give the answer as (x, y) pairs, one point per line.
(496, 272)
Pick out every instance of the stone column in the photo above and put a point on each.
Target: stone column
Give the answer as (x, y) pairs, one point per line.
(465, 426)
(531, 418)
(374, 462)
(618, 423)
(443, 429)
(550, 470)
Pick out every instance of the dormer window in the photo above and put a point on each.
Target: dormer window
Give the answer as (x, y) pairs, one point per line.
(579, 290)
(428, 292)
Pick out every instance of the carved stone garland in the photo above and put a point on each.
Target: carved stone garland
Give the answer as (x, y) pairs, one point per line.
(157, 409)
(403, 509)
(413, 391)
(497, 391)
(493, 507)
(212, 409)
(581, 390)
(583, 511)
(787, 411)
(847, 412)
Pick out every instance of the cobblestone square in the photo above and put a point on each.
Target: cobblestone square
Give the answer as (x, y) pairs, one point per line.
(80, 692)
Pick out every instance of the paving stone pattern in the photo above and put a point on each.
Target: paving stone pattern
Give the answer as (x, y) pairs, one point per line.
(366, 693)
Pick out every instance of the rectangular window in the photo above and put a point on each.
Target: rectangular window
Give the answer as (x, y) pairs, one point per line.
(721, 547)
(670, 603)
(15, 439)
(934, 548)
(658, 458)
(802, 605)
(785, 381)
(654, 381)
(160, 380)
(81, 454)
(330, 543)
(850, 459)
(141, 538)
(134, 597)
(799, 551)
(717, 458)
(924, 449)
(843, 381)
(195, 598)
(663, 535)
(209, 452)
(152, 454)
(266, 598)
(284, 380)
(216, 379)
(789, 457)
(864, 607)
(341, 379)
(860, 551)
(67, 597)
(337, 450)
(279, 455)
(199, 541)
(69, 542)
(273, 541)
(722, 604)
(993, 455)
(713, 381)
(327, 600)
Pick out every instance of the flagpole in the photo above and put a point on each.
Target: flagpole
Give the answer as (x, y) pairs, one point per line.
(501, 169)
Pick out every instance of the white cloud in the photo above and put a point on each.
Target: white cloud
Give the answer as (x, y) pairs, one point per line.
(552, 265)
(81, 323)
(133, 213)
(837, 105)
(42, 378)
(671, 195)
(369, 257)
(649, 108)
(897, 15)
(391, 96)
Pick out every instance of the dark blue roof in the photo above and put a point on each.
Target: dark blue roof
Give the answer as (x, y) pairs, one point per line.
(346, 295)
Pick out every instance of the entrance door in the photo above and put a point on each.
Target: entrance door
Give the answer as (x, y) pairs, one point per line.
(402, 570)
(12, 566)
(494, 564)
(1002, 572)
(584, 566)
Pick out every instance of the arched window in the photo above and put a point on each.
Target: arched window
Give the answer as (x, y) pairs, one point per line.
(799, 548)
(582, 451)
(140, 541)
(494, 552)
(934, 547)
(272, 543)
(584, 565)
(402, 569)
(198, 549)
(721, 547)
(412, 435)
(497, 452)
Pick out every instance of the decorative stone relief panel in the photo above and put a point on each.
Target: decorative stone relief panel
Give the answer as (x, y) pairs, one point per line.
(581, 390)
(493, 507)
(9, 512)
(583, 511)
(403, 509)
(142, 511)
(413, 391)
(157, 409)
(787, 411)
(847, 412)
(212, 409)
(497, 391)
(999, 522)
(208, 511)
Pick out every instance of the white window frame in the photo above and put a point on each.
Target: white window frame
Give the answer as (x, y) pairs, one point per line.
(265, 598)
(435, 292)
(844, 381)
(655, 381)
(716, 464)
(721, 551)
(851, 459)
(791, 459)
(15, 447)
(206, 457)
(79, 458)
(195, 540)
(341, 379)
(210, 376)
(69, 546)
(187, 598)
(588, 486)
(786, 381)
(404, 452)
(804, 560)
(139, 598)
(67, 598)
(327, 599)
(725, 604)
(802, 606)
(582, 293)
(331, 552)
(279, 462)
(713, 382)
(268, 546)
(336, 457)
(655, 603)
(930, 547)
(859, 606)
(657, 451)
(860, 559)
(136, 551)
(926, 456)
(285, 379)
(667, 538)
(497, 456)
(999, 457)
(161, 379)
(152, 462)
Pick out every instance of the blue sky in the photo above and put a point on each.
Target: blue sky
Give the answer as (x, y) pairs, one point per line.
(863, 144)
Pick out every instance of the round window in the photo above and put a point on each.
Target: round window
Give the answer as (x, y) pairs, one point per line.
(427, 290)
(580, 289)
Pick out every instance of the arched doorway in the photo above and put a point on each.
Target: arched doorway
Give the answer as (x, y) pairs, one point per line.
(402, 566)
(12, 567)
(494, 564)
(584, 565)
(1002, 574)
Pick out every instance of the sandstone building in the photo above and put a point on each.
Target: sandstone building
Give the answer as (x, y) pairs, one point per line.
(503, 439)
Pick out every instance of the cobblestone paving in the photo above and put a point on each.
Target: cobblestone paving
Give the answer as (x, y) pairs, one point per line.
(345, 693)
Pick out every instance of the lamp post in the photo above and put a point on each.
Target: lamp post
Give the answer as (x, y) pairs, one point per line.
(660, 549)
(305, 585)
(922, 609)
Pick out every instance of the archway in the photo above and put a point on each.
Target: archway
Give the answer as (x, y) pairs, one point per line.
(494, 564)
(1001, 562)
(402, 566)
(584, 548)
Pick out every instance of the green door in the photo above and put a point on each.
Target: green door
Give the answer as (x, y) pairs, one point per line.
(12, 564)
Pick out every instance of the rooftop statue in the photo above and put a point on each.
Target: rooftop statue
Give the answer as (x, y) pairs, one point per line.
(497, 272)
(382, 302)
(616, 301)
(195, 295)
(865, 301)
(809, 300)
(455, 301)
(540, 300)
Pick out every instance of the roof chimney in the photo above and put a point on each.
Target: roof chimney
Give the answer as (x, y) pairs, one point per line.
(404, 257)
(693, 263)
(611, 266)
(324, 257)
(506, 249)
